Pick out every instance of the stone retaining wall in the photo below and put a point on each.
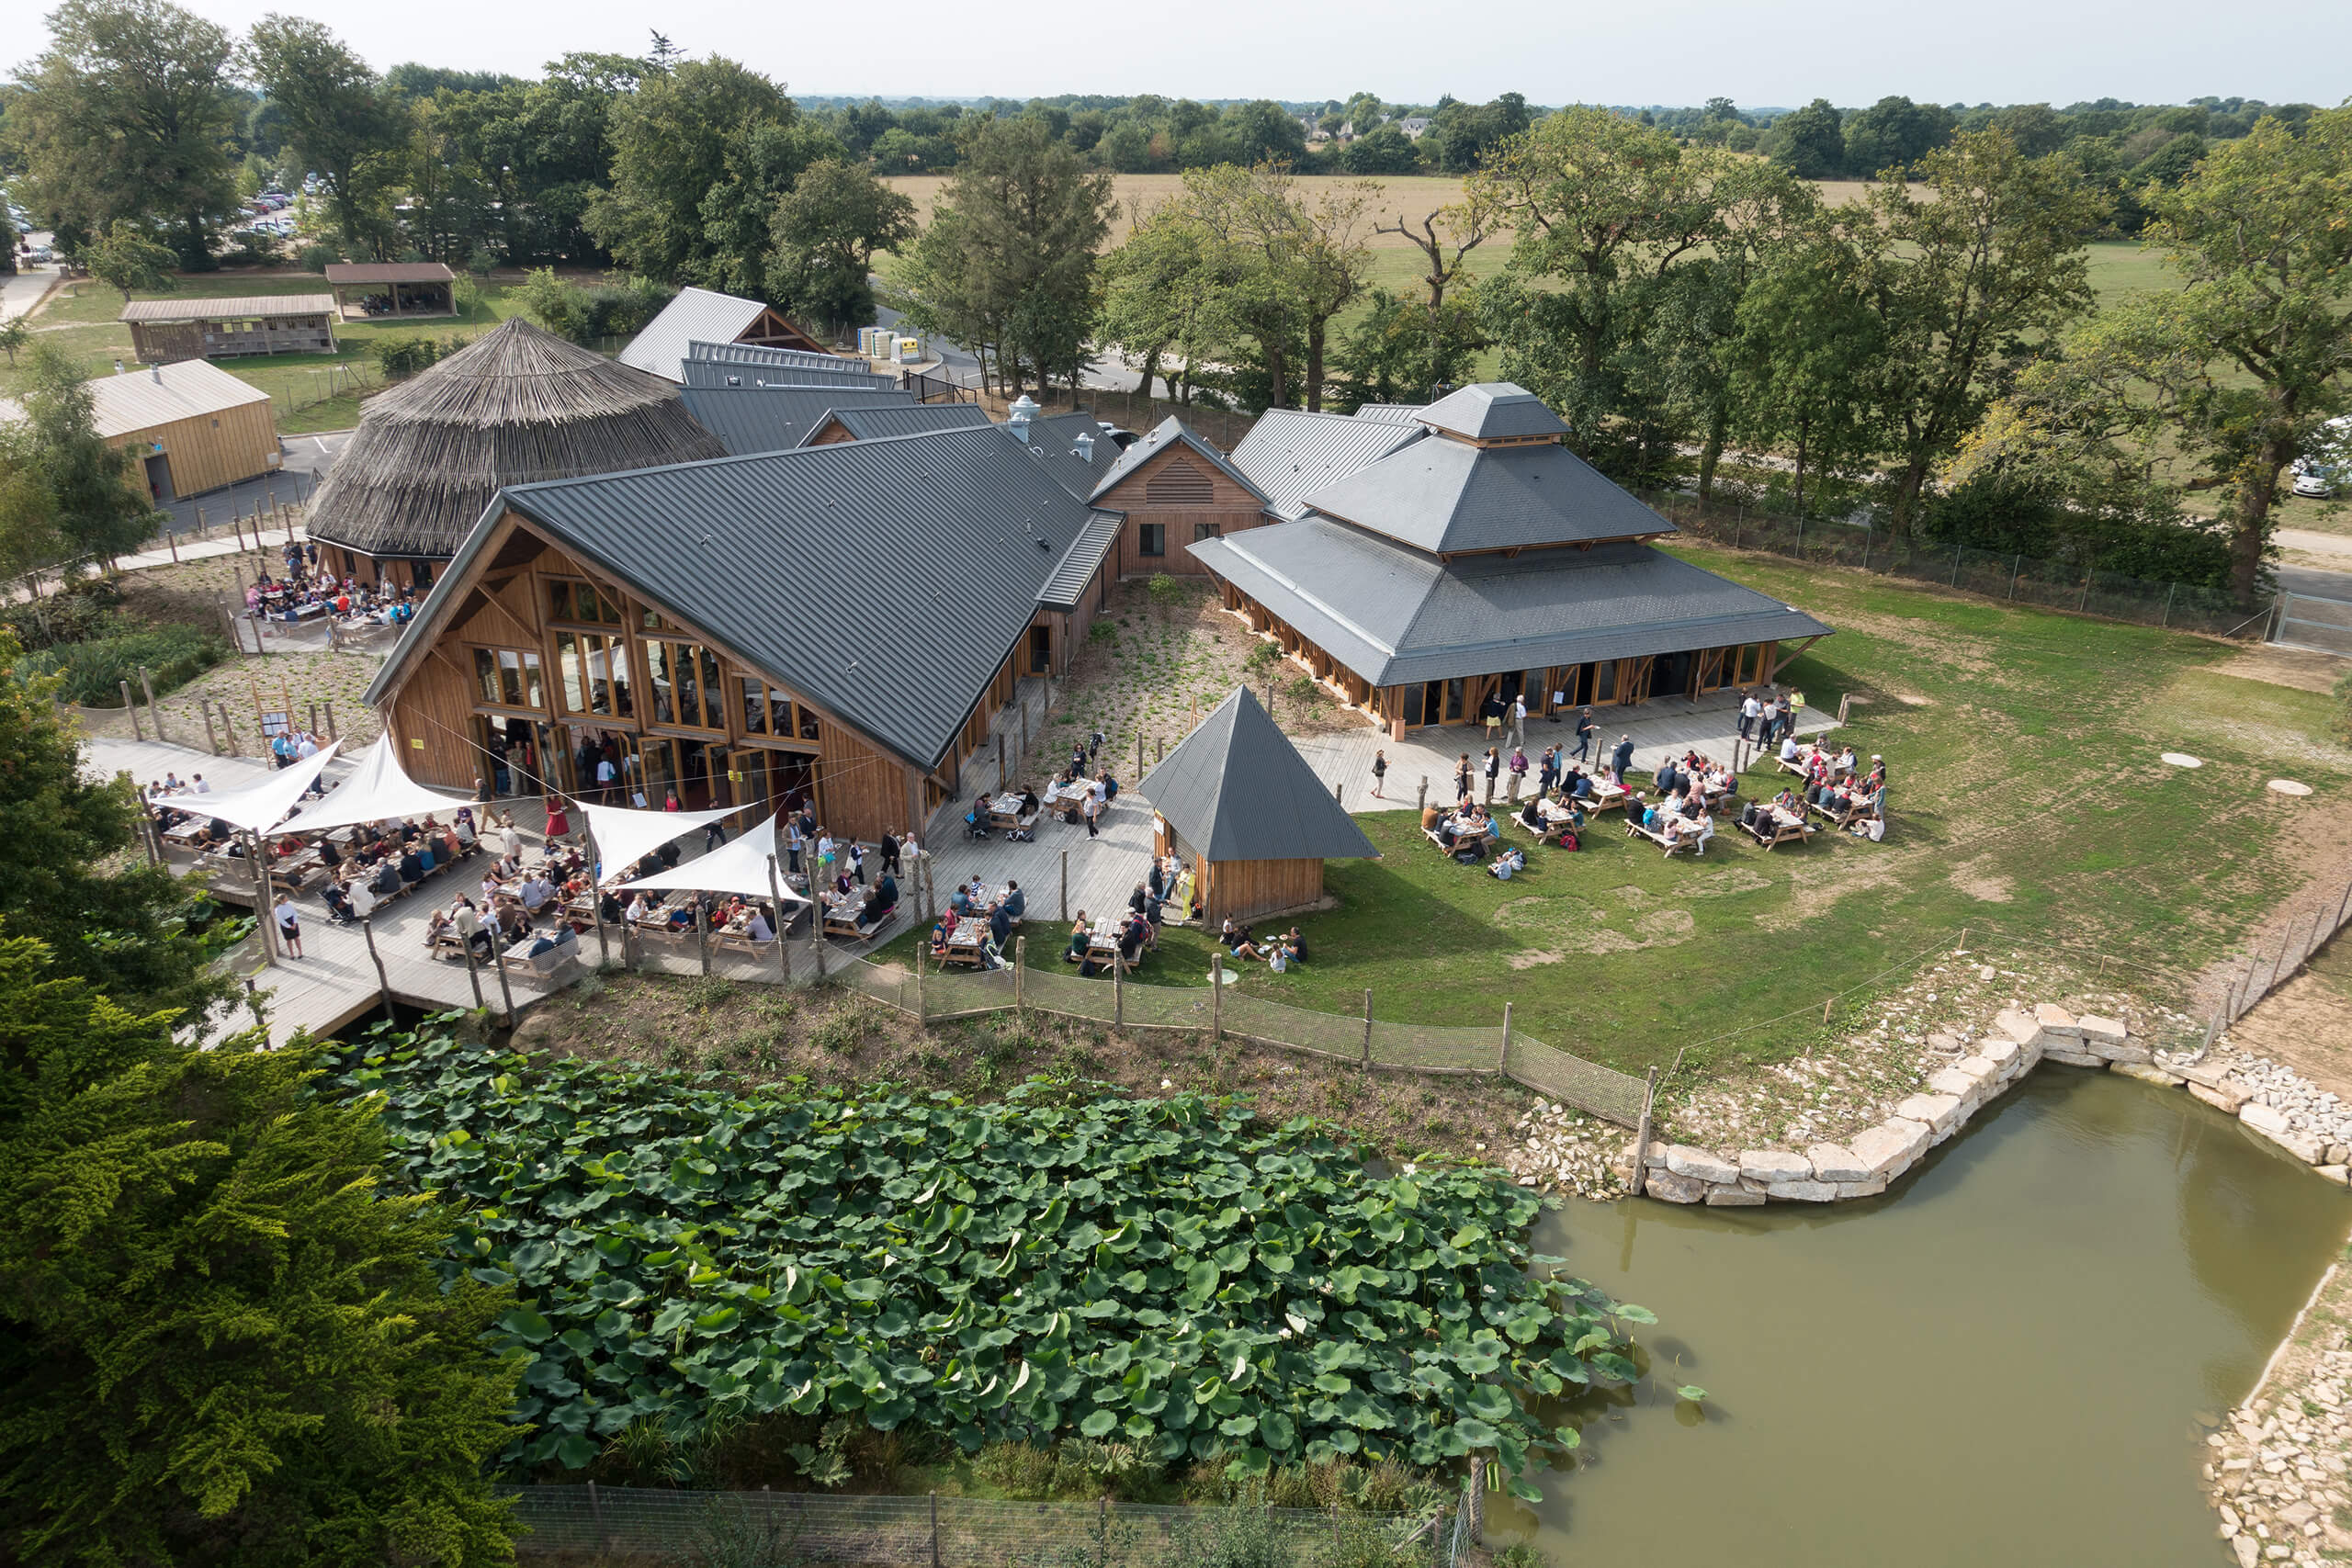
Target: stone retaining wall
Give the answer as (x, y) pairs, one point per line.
(2018, 1041)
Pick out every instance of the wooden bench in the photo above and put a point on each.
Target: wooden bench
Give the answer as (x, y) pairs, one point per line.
(1772, 832)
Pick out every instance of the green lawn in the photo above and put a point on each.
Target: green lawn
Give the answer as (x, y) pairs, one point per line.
(2027, 803)
(82, 320)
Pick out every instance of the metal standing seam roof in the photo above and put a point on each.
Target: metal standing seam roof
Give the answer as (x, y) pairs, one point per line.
(1066, 587)
(696, 313)
(773, 419)
(886, 580)
(1053, 439)
(1288, 455)
(1493, 411)
(1391, 414)
(1168, 431)
(747, 373)
(142, 399)
(1235, 789)
(228, 308)
(875, 418)
(1397, 615)
(769, 353)
(389, 272)
(1445, 496)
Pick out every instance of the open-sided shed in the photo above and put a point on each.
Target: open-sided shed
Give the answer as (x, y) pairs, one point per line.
(1239, 803)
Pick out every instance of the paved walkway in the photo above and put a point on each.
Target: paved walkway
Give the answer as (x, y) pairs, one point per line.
(23, 289)
(2313, 543)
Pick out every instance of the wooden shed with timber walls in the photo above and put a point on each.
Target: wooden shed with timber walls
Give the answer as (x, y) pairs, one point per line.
(162, 330)
(192, 426)
(1177, 491)
(1241, 805)
(711, 627)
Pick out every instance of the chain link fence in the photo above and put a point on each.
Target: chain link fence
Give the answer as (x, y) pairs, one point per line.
(2015, 579)
(773, 1528)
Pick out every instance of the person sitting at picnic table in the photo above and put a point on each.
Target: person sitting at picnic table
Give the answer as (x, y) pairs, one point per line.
(1029, 802)
(1531, 816)
(1080, 933)
(880, 902)
(1504, 865)
(338, 903)
(1788, 748)
(412, 870)
(940, 931)
(537, 890)
(1015, 903)
(960, 901)
(682, 917)
(1787, 804)
(1132, 936)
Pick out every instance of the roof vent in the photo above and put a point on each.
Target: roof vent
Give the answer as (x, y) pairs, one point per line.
(1017, 417)
(155, 373)
(1083, 449)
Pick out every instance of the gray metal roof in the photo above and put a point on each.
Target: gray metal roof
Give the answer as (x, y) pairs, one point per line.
(1392, 414)
(1447, 496)
(1067, 585)
(872, 419)
(162, 394)
(1493, 411)
(1169, 432)
(1054, 438)
(1236, 789)
(1395, 615)
(768, 354)
(695, 313)
(886, 580)
(1288, 456)
(771, 419)
(217, 308)
(746, 373)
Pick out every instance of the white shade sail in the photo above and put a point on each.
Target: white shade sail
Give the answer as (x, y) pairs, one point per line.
(740, 865)
(624, 836)
(256, 805)
(378, 790)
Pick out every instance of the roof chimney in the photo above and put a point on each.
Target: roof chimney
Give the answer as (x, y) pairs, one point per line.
(155, 373)
(1017, 418)
(1085, 448)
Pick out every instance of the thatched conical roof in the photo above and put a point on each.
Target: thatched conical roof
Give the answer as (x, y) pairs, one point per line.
(519, 405)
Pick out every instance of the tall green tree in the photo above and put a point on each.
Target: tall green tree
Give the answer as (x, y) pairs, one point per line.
(128, 115)
(98, 512)
(1445, 238)
(823, 236)
(2237, 369)
(128, 260)
(1812, 142)
(1006, 266)
(1895, 133)
(691, 133)
(337, 117)
(221, 1345)
(1966, 283)
(1801, 361)
(1604, 210)
(1162, 306)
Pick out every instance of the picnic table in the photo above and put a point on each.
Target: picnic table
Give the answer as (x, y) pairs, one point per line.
(1684, 837)
(1607, 796)
(963, 945)
(1775, 826)
(1476, 838)
(1067, 801)
(1002, 810)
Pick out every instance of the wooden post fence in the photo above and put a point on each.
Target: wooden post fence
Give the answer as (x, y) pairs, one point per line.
(1367, 1029)
(383, 981)
(473, 968)
(147, 685)
(1641, 1137)
(1503, 1064)
(137, 730)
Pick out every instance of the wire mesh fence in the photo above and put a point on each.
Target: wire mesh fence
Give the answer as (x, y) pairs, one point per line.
(2016, 578)
(2303, 938)
(777, 1527)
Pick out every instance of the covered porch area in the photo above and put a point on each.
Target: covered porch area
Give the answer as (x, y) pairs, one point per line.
(369, 291)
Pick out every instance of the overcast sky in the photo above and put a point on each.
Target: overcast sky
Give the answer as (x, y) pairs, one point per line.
(1755, 51)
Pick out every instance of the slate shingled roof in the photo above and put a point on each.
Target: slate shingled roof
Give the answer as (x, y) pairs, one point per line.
(772, 419)
(1397, 615)
(886, 580)
(1169, 432)
(696, 313)
(1236, 789)
(1448, 496)
(1493, 411)
(1288, 456)
(872, 419)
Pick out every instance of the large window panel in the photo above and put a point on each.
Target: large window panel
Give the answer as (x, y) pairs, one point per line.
(593, 675)
(506, 677)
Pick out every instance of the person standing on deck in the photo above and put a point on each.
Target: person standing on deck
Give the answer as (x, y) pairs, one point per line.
(1379, 771)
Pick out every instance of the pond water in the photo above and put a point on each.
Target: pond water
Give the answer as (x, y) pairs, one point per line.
(2004, 1361)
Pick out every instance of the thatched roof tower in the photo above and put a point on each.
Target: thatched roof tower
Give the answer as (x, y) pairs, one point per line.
(521, 404)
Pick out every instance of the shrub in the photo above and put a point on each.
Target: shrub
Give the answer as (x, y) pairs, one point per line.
(91, 672)
(253, 247)
(1021, 1470)
(1165, 590)
(403, 357)
(317, 257)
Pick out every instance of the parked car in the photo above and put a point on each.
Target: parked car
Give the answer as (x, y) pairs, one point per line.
(41, 254)
(2326, 467)
(1119, 436)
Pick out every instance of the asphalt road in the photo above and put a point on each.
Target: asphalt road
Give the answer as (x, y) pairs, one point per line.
(308, 457)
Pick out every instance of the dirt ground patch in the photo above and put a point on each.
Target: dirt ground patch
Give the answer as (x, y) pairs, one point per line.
(2305, 672)
(1153, 667)
(2306, 1024)
(757, 1035)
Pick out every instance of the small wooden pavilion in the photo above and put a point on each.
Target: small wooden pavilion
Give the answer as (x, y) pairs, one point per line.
(392, 289)
(166, 331)
(1239, 803)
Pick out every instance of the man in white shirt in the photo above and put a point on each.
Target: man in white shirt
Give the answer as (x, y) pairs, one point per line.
(510, 842)
(199, 786)
(1750, 710)
(309, 746)
(760, 930)
(1518, 719)
(363, 897)
(1788, 748)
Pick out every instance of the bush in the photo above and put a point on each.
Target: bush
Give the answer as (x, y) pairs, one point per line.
(1165, 590)
(253, 247)
(604, 309)
(401, 358)
(92, 671)
(2010, 518)
(317, 257)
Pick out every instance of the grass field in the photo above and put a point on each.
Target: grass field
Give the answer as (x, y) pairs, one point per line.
(80, 318)
(2027, 803)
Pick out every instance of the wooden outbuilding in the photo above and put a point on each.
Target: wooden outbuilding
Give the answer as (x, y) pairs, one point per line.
(1241, 805)
(707, 316)
(164, 331)
(1177, 491)
(367, 291)
(193, 426)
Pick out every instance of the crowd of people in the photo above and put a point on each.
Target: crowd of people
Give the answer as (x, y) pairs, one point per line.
(305, 592)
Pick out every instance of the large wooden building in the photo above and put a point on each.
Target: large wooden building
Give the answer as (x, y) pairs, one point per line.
(1429, 560)
(519, 404)
(705, 315)
(164, 331)
(844, 619)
